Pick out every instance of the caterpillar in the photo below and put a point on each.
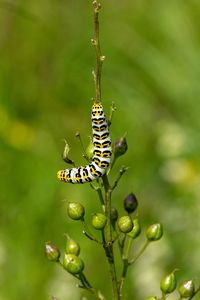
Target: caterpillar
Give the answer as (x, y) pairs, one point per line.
(102, 151)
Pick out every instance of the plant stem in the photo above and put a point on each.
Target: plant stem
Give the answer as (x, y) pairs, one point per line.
(108, 246)
(99, 57)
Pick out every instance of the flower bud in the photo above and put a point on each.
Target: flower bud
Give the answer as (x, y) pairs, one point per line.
(52, 252)
(136, 229)
(72, 247)
(99, 221)
(89, 150)
(125, 224)
(114, 214)
(168, 283)
(130, 203)
(120, 147)
(187, 289)
(75, 210)
(154, 232)
(73, 264)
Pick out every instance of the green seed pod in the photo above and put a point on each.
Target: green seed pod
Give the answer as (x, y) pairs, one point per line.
(151, 298)
(130, 203)
(52, 252)
(136, 229)
(187, 289)
(72, 247)
(99, 221)
(120, 147)
(114, 214)
(73, 264)
(75, 210)
(125, 224)
(89, 150)
(154, 232)
(168, 283)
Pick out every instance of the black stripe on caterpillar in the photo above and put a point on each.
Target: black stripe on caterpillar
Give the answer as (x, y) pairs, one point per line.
(101, 153)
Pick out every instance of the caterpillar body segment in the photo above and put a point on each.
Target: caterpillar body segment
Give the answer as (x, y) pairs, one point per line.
(101, 152)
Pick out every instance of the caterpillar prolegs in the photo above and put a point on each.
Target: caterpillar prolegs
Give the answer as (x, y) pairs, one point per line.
(101, 151)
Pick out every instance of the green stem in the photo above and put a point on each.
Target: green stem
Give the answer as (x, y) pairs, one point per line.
(99, 57)
(139, 253)
(108, 247)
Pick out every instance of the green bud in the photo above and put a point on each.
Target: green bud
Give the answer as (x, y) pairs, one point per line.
(114, 214)
(73, 264)
(120, 147)
(52, 252)
(136, 229)
(187, 289)
(89, 150)
(168, 283)
(125, 224)
(130, 203)
(72, 247)
(75, 210)
(151, 298)
(154, 232)
(99, 221)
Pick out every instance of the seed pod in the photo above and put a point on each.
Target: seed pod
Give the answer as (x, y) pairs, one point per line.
(136, 229)
(120, 147)
(114, 214)
(73, 264)
(99, 221)
(168, 283)
(52, 252)
(72, 247)
(75, 210)
(151, 298)
(130, 203)
(154, 232)
(186, 289)
(125, 224)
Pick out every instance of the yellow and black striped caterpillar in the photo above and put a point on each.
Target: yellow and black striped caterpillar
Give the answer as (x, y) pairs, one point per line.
(101, 151)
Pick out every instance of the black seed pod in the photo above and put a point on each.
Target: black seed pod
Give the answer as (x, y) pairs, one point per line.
(52, 252)
(73, 264)
(130, 203)
(186, 289)
(120, 147)
(75, 210)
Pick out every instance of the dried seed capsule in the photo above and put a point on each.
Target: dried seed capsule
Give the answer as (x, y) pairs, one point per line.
(120, 147)
(73, 264)
(186, 289)
(130, 203)
(136, 229)
(75, 210)
(72, 247)
(154, 232)
(125, 224)
(52, 252)
(168, 283)
(99, 221)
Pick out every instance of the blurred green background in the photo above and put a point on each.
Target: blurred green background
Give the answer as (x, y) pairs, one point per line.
(152, 73)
